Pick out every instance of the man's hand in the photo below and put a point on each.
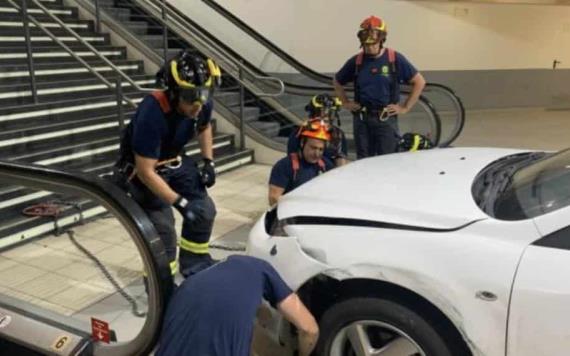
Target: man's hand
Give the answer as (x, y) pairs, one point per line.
(185, 209)
(351, 105)
(208, 173)
(396, 109)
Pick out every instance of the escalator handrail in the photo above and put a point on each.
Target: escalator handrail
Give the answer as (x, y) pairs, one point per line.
(218, 46)
(206, 36)
(319, 76)
(459, 106)
(267, 43)
(133, 220)
(237, 63)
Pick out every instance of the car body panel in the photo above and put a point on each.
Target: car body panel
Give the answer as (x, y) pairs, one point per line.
(429, 188)
(481, 260)
(540, 307)
(410, 220)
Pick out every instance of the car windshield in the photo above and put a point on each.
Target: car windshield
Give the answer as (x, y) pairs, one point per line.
(535, 184)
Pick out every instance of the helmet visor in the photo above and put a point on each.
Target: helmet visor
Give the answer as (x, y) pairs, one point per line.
(195, 95)
(369, 36)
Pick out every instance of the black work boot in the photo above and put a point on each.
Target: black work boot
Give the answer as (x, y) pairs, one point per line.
(192, 263)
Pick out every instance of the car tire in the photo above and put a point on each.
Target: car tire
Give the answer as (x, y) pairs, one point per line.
(385, 324)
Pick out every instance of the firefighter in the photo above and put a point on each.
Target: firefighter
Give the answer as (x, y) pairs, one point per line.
(377, 73)
(303, 165)
(213, 312)
(157, 172)
(324, 107)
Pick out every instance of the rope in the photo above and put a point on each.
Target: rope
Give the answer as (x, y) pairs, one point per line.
(105, 272)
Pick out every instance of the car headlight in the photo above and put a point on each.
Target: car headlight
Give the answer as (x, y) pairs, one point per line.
(274, 226)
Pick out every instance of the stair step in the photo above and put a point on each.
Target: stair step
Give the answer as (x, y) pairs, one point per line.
(269, 129)
(32, 5)
(226, 158)
(153, 41)
(54, 71)
(250, 113)
(6, 8)
(16, 23)
(25, 116)
(42, 40)
(57, 54)
(51, 91)
(74, 127)
(123, 15)
(137, 27)
(12, 15)
(17, 228)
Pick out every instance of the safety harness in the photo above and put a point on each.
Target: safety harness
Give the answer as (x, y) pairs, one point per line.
(127, 165)
(295, 162)
(394, 84)
(163, 101)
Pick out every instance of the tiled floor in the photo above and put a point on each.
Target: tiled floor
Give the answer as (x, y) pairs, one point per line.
(54, 274)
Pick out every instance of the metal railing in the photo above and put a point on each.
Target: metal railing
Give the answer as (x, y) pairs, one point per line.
(169, 21)
(441, 90)
(117, 86)
(239, 68)
(206, 42)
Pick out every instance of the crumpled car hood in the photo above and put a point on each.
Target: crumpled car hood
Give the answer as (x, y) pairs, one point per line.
(430, 189)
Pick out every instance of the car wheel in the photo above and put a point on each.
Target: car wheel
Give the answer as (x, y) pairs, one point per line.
(369, 326)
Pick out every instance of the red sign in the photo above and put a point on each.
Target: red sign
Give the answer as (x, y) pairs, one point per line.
(100, 330)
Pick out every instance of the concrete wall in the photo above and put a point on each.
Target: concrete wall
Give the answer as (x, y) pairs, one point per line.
(493, 55)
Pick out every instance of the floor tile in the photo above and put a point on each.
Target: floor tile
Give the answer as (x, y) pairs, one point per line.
(20, 273)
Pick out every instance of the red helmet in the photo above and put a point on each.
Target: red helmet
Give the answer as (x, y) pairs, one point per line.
(369, 26)
(373, 23)
(316, 129)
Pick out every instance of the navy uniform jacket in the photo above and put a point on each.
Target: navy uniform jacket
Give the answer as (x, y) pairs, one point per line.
(374, 80)
(154, 134)
(282, 174)
(212, 313)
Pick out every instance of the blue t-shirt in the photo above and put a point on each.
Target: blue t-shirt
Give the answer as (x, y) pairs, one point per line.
(374, 77)
(212, 313)
(282, 174)
(157, 135)
(331, 152)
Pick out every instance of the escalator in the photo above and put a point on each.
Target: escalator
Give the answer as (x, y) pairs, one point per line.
(269, 117)
(54, 298)
(447, 104)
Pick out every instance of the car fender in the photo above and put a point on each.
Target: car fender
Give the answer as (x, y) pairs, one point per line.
(428, 288)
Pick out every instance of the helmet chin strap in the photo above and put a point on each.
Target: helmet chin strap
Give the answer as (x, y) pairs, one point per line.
(366, 51)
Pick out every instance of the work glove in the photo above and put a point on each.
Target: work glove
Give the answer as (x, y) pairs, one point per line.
(414, 142)
(208, 173)
(196, 212)
(186, 209)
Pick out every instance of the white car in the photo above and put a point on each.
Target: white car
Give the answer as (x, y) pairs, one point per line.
(458, 251)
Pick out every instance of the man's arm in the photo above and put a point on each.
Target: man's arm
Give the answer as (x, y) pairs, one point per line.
(341, 93)
(418, 83)
(147, 175)
(275, 193)
(205, 139)
(296, 313)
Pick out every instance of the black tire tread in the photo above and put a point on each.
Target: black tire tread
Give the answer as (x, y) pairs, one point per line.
(388, 311)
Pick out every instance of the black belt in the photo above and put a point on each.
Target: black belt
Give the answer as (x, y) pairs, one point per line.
(376, 113)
